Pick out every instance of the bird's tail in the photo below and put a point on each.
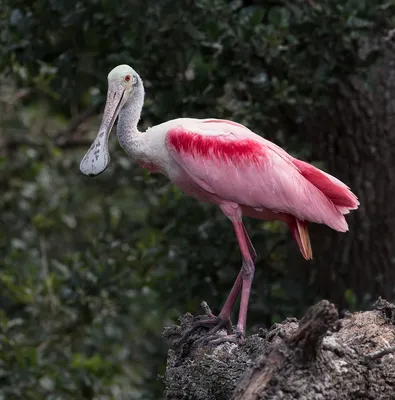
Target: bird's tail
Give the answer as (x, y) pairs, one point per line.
(300, 233)
(334, 189)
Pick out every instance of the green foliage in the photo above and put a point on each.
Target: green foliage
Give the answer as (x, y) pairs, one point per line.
(92, 269)
(273, 61)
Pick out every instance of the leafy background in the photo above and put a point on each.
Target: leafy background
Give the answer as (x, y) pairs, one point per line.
(93, 269)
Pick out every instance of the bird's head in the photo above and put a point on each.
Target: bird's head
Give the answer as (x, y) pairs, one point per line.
(122, 81)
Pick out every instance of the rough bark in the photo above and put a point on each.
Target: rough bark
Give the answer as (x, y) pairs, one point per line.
(355, 137)
(319, 357)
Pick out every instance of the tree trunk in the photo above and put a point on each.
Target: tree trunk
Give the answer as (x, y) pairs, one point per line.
(355, 137)
(319, 357)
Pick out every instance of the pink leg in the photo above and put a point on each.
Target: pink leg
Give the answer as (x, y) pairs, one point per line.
(237, 286)
(230, 301)
(242, 283)
(250, 246)
(247, 274)
(223, 319)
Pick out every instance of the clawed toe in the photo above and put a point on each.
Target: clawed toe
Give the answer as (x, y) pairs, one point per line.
(216, 339)
(213, 336)
(205, 322)
(215, 323)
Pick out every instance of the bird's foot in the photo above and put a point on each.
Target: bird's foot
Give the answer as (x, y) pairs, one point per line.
(217, 338)
(213, 323)
(213, 336)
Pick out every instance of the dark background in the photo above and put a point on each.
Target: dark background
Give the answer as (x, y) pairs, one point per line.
(93, 269)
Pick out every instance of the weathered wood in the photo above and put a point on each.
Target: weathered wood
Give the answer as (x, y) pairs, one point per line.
(319, 357)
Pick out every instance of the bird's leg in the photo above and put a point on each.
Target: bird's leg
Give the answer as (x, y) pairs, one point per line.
(226, 310)
(237, 286)
(223, 318)
(243, 282)
(247, 274)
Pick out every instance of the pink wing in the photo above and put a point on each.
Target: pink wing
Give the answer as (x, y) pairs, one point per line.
(230, 161)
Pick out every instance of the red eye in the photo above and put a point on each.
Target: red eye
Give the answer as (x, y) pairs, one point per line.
(127, 78)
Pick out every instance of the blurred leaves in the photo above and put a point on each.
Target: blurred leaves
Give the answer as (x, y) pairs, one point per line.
(92, 269)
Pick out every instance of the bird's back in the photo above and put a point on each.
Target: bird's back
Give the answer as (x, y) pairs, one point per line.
(234, 164)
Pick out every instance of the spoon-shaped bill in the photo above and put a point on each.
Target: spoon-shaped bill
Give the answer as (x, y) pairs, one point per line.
(97, 157)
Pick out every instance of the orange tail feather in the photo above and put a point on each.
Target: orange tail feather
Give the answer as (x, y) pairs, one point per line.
(300, 233)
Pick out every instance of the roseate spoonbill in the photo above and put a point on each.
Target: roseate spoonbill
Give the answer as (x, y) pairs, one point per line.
(224, 163)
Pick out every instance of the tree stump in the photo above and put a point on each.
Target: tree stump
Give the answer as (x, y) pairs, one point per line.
(319, 357)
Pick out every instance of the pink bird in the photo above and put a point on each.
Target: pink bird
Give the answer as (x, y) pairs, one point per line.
(224, 163)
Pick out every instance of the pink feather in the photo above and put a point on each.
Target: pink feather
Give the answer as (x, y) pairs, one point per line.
(235, 165)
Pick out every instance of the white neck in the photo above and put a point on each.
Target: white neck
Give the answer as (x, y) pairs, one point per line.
(129, 116)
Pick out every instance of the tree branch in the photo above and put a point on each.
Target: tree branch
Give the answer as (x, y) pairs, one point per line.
(318, 357)
(313, 328)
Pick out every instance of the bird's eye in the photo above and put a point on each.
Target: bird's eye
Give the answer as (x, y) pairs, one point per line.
(127, 78)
